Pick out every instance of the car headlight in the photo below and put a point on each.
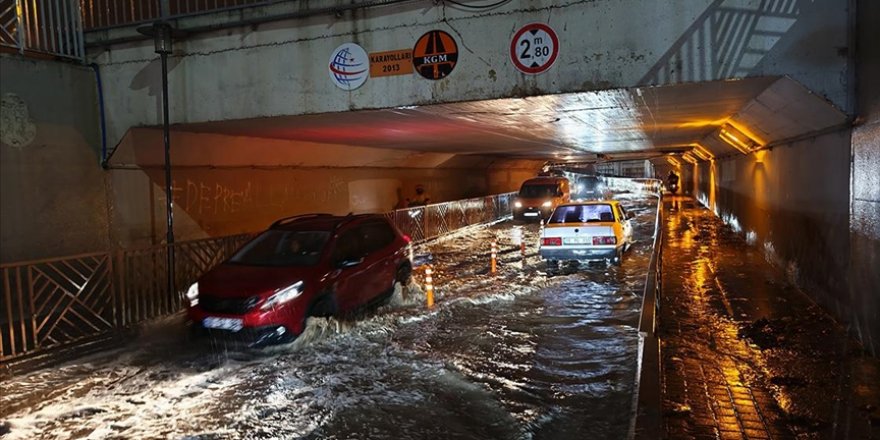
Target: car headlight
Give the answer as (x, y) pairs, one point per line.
(517, 204)
(284, 295)
(548, 204)
(192, 294)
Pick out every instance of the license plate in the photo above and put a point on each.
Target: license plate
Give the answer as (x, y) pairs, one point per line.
(530, 214)
(231, 324)
(578, 240)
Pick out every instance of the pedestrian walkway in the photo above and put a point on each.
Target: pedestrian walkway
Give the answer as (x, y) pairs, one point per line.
(744, 354)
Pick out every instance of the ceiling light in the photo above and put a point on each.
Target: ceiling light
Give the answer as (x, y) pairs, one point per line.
(701, 152)
(688, 157)
(737, 139)
(672, 161)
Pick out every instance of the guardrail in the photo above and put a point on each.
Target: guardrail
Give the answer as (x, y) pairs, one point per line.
(57, 303)
(47, 26)
(647, 400)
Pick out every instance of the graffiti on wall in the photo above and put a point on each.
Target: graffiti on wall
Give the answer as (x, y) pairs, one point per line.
(16, 128)
(199, 197)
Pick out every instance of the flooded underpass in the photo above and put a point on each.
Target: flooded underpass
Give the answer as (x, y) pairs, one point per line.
(515, 355)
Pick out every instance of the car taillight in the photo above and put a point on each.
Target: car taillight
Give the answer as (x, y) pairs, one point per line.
(551, 241)
(605, 240)
(407, 238)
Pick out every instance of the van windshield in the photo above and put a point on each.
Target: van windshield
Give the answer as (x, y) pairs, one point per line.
(539, 191)
(589, 182)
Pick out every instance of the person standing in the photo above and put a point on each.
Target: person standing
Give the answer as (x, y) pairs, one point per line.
(672, 181)
(422, 198)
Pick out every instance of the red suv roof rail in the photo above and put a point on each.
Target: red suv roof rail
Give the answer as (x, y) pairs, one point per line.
(287, 220)
(351, 217)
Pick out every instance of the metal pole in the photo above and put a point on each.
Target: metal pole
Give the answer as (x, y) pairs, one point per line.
(19, 24)
(169, 206)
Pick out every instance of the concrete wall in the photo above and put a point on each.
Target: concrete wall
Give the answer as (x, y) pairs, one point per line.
(814, 206)
(214, 202)
(58, 201)
(281, 68)
(790, 202)
(864, 277)
(224, 185)
(52, 198)
(508, 175)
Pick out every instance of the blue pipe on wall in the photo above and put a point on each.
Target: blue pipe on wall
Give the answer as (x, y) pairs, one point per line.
(101, 114)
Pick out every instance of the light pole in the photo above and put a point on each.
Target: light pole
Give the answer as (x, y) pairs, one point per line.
(162, 34)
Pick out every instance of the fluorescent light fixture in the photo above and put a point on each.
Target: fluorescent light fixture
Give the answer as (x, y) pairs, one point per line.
(688, 157)
(702, 152)
(737, 139)
(673, 161)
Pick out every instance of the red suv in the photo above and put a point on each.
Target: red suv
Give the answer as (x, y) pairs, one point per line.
(308, 265)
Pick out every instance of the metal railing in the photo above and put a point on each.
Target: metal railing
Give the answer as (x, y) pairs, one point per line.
(101, 14)
(647, 398)
(57, 303)
(47, 26)
(53, 303)
(426, 222)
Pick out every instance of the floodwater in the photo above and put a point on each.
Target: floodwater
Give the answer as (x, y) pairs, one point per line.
(516, 355)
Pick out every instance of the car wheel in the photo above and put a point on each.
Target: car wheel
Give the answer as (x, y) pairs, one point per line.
(403, 275)
(324, 306)
(618, 258)
(196, 332)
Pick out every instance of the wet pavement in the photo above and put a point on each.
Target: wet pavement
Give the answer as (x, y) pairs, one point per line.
(747, 356)
(516, 355)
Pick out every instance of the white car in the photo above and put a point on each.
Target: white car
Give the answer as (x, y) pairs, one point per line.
(587, 231)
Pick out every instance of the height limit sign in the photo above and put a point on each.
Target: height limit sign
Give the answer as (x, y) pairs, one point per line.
(534, 48)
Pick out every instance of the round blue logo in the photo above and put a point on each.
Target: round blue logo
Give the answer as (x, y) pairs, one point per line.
(349, 66)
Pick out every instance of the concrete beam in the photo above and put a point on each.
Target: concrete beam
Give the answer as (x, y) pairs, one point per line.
(280, 68)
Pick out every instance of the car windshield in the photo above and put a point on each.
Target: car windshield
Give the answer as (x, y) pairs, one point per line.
(538, 191)
(282, 248)
(589, 183)
(582, 214)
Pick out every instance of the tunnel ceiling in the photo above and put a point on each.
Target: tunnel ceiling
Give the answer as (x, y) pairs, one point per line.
(624, 123)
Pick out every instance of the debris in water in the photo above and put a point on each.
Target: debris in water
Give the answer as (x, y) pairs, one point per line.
(788, 381)
(679, 409)
(806, 424)
(764, 333)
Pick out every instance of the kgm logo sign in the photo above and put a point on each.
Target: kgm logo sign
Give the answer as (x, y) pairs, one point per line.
(435, 55)
(349, 66)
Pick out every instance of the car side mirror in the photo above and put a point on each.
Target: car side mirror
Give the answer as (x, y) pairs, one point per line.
(630, 215)
(350, 262)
